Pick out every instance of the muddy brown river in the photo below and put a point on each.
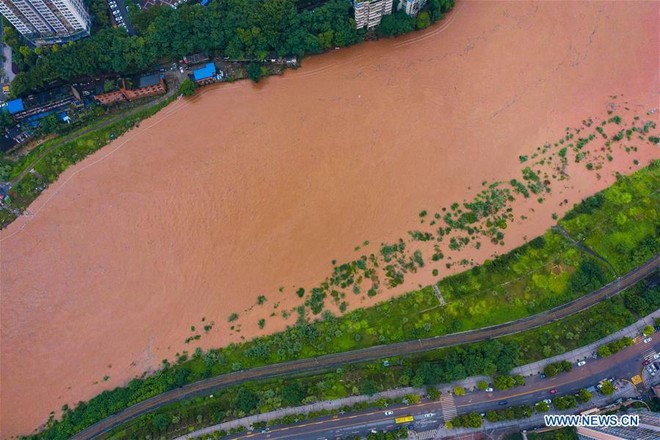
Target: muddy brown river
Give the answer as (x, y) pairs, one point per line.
(243, 189)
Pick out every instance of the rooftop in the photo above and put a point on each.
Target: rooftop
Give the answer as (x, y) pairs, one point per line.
(149, 80)
(204, 72)
(15, 106)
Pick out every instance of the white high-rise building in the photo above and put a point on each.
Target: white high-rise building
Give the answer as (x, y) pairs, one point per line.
(412, 7)
(369, 12)
(47, 21)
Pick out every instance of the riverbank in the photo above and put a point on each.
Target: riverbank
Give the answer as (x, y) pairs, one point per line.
(243, 190)
(328, 336)
(469, 384)
(456, 366)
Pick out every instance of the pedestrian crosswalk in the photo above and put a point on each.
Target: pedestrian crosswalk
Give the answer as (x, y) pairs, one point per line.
(650, 355)
(448, 407)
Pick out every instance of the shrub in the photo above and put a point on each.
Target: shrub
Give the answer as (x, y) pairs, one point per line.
(459, 391)
(187, 87)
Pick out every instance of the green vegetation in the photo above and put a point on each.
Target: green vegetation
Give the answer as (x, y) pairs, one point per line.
(564, 402)
(506, 382)
(239, 29)
(607, 388)
(187, 87)
(546, 272)
(562, 269)
(620, 223)
(459, 391)
(584, 396)
(648, 330)
(555, 368)
(588, 326)
(614, 346)
(569, 433)
(58, 155)
(440, 366)
(469, 420)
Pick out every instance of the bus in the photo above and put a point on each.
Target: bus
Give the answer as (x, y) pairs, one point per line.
(405, 419)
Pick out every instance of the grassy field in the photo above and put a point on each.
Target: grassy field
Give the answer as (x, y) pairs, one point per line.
(621, 224)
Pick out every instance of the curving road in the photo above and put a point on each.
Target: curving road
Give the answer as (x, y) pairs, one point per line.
(331, 361)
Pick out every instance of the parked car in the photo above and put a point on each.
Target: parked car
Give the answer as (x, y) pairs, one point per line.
(646, 362)
(502, 402)
(647, 340)
(580, 363)
(651, 370)
(553, 391)
(548, 401)
(488, 390)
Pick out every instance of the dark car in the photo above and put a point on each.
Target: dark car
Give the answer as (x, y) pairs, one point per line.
(646, 362)
(503, 402)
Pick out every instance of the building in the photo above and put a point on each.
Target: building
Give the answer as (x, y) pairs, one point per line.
(411, 7)
(45, 22)
(204, 75)
(648, 429)
(148, 85)
(369, 12)
(146, 4)
(46, 102)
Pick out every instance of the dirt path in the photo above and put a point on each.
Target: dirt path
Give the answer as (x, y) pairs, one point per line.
(251, 190)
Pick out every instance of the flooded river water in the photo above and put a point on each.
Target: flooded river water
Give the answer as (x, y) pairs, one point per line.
(243, 189)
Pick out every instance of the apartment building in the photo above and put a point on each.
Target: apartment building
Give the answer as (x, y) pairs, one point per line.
(412, 7)
(368, 13)
(45, 22)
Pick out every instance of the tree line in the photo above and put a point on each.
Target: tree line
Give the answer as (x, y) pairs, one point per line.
(238, 29)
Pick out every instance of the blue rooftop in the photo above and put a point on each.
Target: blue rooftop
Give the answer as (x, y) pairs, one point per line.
(204, 72)
(15, 106)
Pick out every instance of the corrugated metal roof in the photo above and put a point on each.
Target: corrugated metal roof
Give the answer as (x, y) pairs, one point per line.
(204, 72)
(149, 80)
(15, 106)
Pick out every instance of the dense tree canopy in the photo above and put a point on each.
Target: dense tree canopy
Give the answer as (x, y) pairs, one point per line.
(239, 29)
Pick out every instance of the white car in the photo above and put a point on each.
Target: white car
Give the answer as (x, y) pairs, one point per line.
(429, 415)
(647, 340)
(656, 356)
(488, 390)
(579, 364)
(548, 401)
(389, 413)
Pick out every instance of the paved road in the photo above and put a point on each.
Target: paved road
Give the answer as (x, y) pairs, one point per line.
(331, 361)
(622, 365)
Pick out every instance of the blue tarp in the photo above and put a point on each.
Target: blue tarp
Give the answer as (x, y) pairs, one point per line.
(205, 72)
(15, 106)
